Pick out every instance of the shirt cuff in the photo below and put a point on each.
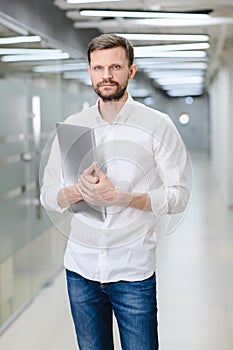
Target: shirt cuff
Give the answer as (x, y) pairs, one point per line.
(49, 200)
(158, 199)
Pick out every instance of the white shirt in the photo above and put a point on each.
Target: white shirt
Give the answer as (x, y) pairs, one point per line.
(140, 152)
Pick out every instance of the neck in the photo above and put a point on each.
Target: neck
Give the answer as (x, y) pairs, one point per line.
(110, 109)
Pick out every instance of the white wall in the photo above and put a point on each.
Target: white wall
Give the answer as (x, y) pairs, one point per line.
(221, 112)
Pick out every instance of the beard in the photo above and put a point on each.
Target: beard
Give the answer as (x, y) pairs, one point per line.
(120, 90)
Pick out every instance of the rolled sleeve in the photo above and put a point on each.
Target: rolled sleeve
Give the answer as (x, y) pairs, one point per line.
(52, 180)
(158, 200)
(170, 156)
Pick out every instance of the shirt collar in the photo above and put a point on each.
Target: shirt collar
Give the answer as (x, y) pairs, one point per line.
(122, 115)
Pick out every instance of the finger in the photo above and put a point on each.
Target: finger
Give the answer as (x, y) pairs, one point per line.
(87, 188)
(85, 183)
(85, 191)
(77, 188)
(89, 170)
(97, 170)
(90, 178)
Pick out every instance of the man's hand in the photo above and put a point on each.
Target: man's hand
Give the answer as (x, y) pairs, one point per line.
(69, 195)
(97, 189)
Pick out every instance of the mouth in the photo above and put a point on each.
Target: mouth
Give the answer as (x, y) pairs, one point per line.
(107, 84)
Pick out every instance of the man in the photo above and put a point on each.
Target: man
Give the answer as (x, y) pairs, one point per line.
(110, 264)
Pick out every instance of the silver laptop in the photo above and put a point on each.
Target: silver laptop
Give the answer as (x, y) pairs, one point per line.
(77, 147)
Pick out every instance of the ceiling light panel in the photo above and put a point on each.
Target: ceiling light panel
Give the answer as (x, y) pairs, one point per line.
(88, 1)
(35, 57)
(174, 47)
(176, 22)
(180, 80)
(142, 14)
(19, 51)
(113, 24)
(183, 87)
(183, 93)
(174, 63)
(20, 39)
(61, 67)
(165, 37)
(147, 66)
(191, 54)
(174, 73)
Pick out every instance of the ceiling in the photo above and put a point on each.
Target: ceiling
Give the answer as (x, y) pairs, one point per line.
(218, 27)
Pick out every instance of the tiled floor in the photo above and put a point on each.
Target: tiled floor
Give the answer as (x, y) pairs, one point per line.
(195, 278)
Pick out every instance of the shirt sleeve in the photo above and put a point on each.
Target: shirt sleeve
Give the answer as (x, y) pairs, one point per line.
(52, 180)
(170, 157)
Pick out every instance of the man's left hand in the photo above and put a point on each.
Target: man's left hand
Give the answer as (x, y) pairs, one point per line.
(97, 189)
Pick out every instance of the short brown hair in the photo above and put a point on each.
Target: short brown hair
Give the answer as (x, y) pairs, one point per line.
(108, 41)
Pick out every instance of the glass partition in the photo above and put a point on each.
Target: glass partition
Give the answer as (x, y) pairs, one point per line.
(31, 248)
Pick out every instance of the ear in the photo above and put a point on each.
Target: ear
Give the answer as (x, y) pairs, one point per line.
(89, 70)
(132, 71)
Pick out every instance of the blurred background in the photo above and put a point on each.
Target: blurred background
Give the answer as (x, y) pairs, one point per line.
(184, 54)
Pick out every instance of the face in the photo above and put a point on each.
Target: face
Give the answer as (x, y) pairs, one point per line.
(109, 72)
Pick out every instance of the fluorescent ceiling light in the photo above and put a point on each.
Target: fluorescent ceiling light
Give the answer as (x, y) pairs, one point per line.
(87, 1)
(183, 87)
(114, 24)
(20, 51)
(175, 22)
(177, 93)
(19, 39)
(175, 73)
(175, 47)
(148, 64)
(180, 80)
(165, 37)
(170, 60)
(142, 14)
(45, 57)
(187, 88)
(60, 68)
(181, 54)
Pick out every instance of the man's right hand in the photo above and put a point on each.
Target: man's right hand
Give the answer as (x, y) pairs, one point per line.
(69, 195)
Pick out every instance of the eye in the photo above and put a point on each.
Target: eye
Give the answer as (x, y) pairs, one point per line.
(116, 66)
(97, 68)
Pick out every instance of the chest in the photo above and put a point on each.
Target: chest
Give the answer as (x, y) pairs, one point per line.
(125, 151)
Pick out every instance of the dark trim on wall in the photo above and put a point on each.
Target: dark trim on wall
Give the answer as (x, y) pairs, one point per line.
(44, 19)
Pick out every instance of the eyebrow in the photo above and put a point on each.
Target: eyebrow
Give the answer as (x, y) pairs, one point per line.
(112, 64)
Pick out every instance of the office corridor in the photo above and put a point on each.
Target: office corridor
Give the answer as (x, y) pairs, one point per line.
(195, 266)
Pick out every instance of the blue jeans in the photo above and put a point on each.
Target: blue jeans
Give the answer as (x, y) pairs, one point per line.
(133, 303)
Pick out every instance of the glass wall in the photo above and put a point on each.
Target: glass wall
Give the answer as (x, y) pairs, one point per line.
(31, 248)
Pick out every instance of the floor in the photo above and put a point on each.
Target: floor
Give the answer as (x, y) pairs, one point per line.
(195, 279)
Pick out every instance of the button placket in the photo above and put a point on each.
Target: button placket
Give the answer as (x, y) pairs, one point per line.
(102, 263)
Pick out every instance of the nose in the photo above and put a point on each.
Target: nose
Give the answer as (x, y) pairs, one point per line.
(107, 73)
